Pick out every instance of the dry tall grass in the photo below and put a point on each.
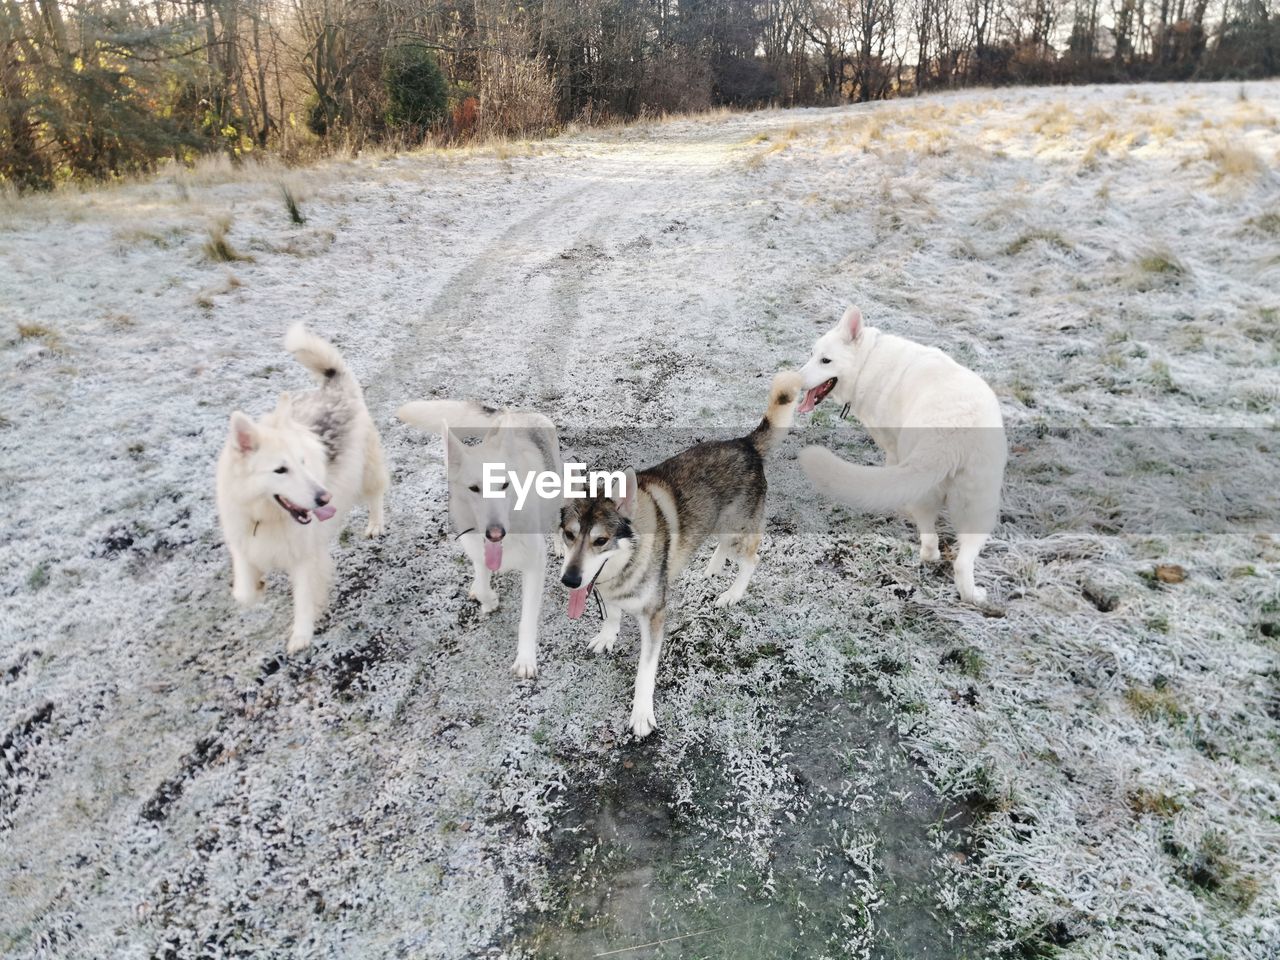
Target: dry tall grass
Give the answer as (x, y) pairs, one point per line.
(1233, 160)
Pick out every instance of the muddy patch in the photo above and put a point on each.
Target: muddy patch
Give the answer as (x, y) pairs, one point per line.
(859, 864)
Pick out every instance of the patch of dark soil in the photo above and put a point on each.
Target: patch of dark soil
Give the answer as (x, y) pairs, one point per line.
(355, 582)
(156, 809)
(349, 666)
(116, 540)
(16, 669)
(658, 368)
(15, 749)
(1104, 600)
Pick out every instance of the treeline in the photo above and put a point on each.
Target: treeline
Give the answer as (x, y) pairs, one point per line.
(99, 88)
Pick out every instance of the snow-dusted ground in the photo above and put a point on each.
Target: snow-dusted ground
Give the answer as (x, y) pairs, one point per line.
(1105, 257)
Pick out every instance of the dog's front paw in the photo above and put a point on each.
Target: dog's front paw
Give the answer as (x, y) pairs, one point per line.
(372, 529)
(488, 600)
(730, 597)
(978, 598)
(929, 553)
(603, 641)
(298, 642)
(248, 596)
(643, 721)
(525, 668)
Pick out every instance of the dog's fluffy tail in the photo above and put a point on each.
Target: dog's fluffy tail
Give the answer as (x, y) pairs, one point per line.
(873, 489)
(319, 356)
(463, 417)
(783, 394)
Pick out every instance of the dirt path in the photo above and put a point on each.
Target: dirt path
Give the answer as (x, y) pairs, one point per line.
(172, 787)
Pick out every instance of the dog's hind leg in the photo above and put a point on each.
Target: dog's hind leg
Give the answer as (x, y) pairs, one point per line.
(969, 545)
(374, 482)
(925, 515)
(745, 549)
(716, 563)
(532, 580)
(974, 514)
(310, 596)
(643, 717)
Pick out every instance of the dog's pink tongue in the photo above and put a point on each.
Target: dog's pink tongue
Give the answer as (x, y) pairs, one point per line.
(493, 554)
(325, 513)
(810, 400)
(578, 602)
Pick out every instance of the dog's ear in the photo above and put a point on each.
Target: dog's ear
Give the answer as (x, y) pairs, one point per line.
(498, 437)
(851, 323)
(454, 450)
(244, 434)
(627, 502)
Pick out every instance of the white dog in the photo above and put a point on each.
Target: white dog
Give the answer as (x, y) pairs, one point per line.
(312, 458)
(938, 424)
(494, 533)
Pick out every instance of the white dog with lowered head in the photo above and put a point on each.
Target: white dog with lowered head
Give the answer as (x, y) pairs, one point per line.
(497, 534)
(938, 424)
(283, 477)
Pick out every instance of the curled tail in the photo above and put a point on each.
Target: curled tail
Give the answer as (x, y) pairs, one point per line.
(319, 356)
(874, 489)
(783, 394)
(463, 417)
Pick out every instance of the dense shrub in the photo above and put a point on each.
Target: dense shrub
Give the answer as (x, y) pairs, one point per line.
(417, 93)
(321, 114)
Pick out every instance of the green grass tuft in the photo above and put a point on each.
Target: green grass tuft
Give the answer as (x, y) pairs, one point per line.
(1154, 703)
(1039, 236)
(291, 205)
(968, 660)
(39, 577)
(1161, 264)
(1144, 802)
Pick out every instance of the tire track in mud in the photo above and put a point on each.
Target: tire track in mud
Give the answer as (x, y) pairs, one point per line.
(635, 197)
(475, 302)
(484, 306)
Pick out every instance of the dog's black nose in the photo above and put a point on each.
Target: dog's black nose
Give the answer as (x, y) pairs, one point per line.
(323, 497)
(495, 533)
(572, 579)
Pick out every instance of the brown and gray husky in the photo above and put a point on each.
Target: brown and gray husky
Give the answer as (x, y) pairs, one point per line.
(631, 548)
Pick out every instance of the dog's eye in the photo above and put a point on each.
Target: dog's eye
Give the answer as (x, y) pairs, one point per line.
(568, 536)
(600, 541)
(474, 488)
(282, 470)
(826, 359)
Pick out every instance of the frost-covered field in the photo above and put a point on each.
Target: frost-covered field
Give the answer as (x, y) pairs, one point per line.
(849, 763)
